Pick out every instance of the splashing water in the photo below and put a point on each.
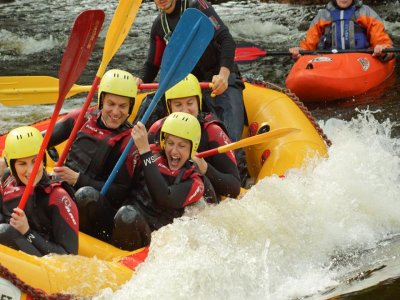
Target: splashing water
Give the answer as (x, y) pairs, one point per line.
(285, 238)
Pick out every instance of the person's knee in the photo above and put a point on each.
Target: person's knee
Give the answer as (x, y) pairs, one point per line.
(8, 234)
(87, 195)
(131, 230)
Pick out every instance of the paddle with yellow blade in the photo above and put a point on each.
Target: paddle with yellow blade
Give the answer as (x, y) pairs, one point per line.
(32, 90)
(120, 25)
(250, 141)
(191, 37)
(76, 55)
(248, 52)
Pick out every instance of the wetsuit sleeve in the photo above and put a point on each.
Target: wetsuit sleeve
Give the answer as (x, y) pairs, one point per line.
(63, 128)
(170, 196)
(154, 55)
(316, 30)
(222, 36)
(376, 33)
(222, 168)
(64, 219)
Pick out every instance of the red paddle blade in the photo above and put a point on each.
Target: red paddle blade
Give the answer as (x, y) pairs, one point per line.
(80, 45)
(247, 52)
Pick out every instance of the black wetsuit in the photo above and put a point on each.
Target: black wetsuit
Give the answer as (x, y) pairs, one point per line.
(222, 169)
(52, 216)
(158, 202)
(94, 153)
(220, 52)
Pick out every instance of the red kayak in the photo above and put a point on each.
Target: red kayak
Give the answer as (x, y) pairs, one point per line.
(318, 78)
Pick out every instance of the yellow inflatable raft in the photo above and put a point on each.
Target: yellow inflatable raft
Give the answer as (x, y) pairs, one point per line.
(100, 265)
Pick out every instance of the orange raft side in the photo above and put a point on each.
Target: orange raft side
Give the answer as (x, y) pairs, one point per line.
(330, 77)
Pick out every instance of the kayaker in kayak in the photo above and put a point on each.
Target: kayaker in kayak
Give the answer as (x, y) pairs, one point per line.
(49, 223)
(95, 151)
(346, 24)
(216, 65)
(220, 169)
(172, 181)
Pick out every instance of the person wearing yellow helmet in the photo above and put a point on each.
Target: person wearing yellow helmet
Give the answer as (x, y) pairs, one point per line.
(220, 169)
(95, 151)
(171, 179)
(216, 65)
(49, 223)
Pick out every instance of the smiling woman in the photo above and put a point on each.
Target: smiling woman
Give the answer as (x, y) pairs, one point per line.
(50, 224)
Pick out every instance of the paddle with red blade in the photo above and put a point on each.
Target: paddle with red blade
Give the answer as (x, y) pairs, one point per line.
(188, 42)
(250, 141)
(248, 52)
(76, 55)
(120, 25)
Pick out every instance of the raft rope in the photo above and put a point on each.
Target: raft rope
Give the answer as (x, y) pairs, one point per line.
(36, 294)
(296, 100)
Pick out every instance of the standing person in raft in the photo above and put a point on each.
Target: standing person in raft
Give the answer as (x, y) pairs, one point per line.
(49, 223)
(216, 65)
(172, 181)
(346, 24)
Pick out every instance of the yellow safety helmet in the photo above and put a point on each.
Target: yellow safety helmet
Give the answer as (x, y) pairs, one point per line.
(182, 125)
(187, 87)
(118, 82)
(22, 142)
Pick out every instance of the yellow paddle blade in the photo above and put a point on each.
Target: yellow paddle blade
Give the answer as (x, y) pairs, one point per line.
(119, 28)
(30, 90)
(257, 139)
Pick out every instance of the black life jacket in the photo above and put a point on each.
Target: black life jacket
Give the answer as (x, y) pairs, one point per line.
(38, 206)
(93, 145)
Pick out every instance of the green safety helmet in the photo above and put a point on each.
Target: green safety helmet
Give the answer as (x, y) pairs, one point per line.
(22, 142)
(187, 87)
(182, 125)
(118, 82)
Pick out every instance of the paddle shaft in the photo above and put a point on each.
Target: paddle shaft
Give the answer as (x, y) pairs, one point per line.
(76, 55)
(250, 141)
(249, 52)
(18, 92)
(119, 27)
(190, 38)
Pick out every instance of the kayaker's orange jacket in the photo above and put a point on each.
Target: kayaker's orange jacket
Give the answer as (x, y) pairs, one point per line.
(364, 16)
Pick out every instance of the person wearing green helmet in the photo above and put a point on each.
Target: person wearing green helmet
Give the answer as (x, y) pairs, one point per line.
(172, 181)
(95, 151)
(49, 223)
(220, 169)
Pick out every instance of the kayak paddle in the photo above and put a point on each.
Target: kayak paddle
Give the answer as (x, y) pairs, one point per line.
(190, 38)
(32, 90)
(120, 25)
(248, 52)
(76, 55)
(250, 141)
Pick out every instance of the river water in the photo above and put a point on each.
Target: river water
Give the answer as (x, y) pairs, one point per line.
(324, 231)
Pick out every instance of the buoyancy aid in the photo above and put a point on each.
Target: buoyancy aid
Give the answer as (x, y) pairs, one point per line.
(344, 32)
(93, 145)
(38, 206)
